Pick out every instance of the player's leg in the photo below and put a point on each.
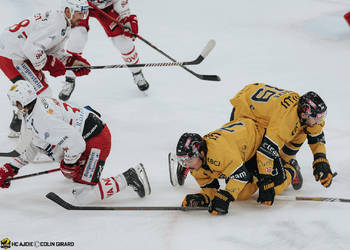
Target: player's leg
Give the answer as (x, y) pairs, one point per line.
(94, 157)
(130, 55)
(76, 44)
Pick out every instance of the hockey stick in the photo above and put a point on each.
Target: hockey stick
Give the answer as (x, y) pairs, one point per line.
(59, 201)
(303, 198)
(202, 77)
(210, 45)
(13, 153)
(31, 175)
(34, 174)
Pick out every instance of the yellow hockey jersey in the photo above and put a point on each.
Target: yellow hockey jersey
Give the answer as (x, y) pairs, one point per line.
(228, 149)
(275, 110)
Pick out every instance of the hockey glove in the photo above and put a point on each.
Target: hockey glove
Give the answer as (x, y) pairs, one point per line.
(266, 190)
(70, 171)
(132, 24)
(322, 171)
(219, 205)
(6, 171)
(196, 200)
(54, 66)
(77, 60)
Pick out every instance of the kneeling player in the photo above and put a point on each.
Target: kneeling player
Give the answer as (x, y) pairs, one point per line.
(231, 152)
(77, 138)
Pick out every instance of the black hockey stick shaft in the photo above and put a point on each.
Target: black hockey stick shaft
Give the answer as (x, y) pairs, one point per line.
(202, 77)
(59, 201)
(13, 153)
(119, 66)
(34, 174)
(31, 175)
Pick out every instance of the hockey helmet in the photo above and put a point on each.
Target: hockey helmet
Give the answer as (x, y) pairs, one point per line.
(22, 92)
(188, 147)
(312, 105)
(76, 5)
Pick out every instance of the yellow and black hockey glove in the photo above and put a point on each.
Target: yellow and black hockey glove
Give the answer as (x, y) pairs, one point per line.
(322, 171)
(266, 190)
(196, 200)
(219, 205)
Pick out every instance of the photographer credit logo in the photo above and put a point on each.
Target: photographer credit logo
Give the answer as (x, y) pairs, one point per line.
(6, 244)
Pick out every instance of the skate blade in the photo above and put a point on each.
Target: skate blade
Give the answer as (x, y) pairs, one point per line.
(14, 134)
(145, 92)
(141, 173)
(172, 163)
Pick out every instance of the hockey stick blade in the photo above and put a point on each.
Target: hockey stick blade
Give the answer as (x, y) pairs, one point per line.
(59, 201)
(205, 52)
(13, 153)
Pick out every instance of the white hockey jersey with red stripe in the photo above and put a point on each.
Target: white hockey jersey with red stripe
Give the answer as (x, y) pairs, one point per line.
(36, 37)
(60, 124)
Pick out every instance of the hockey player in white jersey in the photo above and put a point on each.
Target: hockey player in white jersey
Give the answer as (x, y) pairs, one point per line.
(77, 138)
(121, 39)
(36, 44)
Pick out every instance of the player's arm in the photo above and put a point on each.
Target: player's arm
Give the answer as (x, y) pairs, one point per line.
(291, 148)
(126, 18)
(10, 169)
(209, 187)
(237, 176)
(321, 168)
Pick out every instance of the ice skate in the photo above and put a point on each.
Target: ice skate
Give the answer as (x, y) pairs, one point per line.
(297, 182)
(178, 173)
(15, 126)
(67, 90)
(140, 81)
(138, 180)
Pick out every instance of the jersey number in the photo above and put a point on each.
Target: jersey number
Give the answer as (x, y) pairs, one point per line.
(228, 128)
(264, 95)
(16, 27)
(66, 106)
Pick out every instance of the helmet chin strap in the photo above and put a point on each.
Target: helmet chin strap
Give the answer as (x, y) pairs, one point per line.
(70, 18)
(202, 158)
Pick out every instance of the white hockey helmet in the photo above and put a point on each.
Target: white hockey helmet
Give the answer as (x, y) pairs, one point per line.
(22, 92)
(75, 5)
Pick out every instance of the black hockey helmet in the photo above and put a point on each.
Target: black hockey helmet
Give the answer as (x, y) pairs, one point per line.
(312, 105)
(188, 146)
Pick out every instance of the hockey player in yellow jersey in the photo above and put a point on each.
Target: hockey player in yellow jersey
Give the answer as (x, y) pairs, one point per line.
(230, 152)
(288, 119)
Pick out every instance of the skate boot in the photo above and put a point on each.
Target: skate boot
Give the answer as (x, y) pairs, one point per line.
(297, 182)
(67, 89)
(138, 180)
(140, 81)
(178, 173)
(15, 126)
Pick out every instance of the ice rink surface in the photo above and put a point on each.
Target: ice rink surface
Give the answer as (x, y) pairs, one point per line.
(300, 45)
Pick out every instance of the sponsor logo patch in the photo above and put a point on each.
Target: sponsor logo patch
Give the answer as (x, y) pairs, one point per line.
(91, 164)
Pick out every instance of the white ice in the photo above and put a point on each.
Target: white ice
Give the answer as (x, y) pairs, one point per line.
(300, 45)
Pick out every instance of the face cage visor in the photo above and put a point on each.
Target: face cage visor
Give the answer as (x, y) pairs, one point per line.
(184, 159)
(319, 118)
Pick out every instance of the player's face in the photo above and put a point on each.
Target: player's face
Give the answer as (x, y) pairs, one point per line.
(21, 108)
(77, 17)
(312, 121)
(193, 163)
